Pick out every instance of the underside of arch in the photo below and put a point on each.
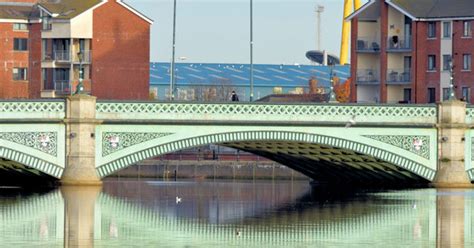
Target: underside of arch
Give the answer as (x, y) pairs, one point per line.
(19, 162)
(323, 156)
(326, 164)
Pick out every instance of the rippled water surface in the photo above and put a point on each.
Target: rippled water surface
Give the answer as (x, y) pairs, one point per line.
(234, 214)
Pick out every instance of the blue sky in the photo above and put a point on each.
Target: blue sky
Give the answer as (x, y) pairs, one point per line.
(217, 31)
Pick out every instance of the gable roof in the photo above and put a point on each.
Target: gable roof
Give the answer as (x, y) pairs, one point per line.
(67, 9)
(421, 10)
(436, 9)
(17, 11)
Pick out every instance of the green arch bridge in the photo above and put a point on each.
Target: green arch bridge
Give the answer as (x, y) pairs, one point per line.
(80, 141)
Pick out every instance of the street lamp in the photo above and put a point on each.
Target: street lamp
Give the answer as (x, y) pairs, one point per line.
(80, 86)
(172, 78)
(452, 93)
(332, 94)
(251, 50)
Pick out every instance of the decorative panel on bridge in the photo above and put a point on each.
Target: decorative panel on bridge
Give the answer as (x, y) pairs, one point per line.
(28, 110)
(329, 114)
(469, 138)
(32, 134)
(402, 135)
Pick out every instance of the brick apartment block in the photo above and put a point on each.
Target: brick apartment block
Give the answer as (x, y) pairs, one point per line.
(47, 45)
(401, 50)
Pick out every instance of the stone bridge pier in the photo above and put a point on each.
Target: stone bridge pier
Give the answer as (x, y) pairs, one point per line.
(452, 129)
(81, 124)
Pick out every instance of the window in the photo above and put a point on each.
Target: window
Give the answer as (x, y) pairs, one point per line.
(431, 62)
(446, 29)
(20, 44)
(466, 94)
(445, 94)
(446, 61)
(20, 26)
(20, 74)
(46, 23)
(431, 29)
(466, 62)
(466, 29)
(431, 95)
(407, 95)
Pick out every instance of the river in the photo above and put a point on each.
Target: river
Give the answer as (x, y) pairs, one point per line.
(213, 213)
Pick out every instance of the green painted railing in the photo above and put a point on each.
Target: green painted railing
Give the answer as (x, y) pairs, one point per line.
(470, 114)
(265, 112)
(34, 109)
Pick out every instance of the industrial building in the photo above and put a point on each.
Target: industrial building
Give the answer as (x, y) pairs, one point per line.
(215, 82)
(406, 51)
(48, 46)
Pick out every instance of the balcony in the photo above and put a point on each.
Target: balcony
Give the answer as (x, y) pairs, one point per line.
(399, 44)
(58, 88)
(62, 56)
(367, 45)
(368, 77)
(85, 56)
(398, 76)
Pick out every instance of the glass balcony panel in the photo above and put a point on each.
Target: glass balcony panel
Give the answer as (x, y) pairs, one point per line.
(368, 44)
(368, 76)
(397, 43)
(398, 76)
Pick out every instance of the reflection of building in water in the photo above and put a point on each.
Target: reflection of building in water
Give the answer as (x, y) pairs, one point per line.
(406, 217)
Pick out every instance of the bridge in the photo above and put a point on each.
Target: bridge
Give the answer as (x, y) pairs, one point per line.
(80, 140)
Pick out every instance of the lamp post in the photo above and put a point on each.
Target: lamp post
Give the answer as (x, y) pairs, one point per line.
(332, 94)
(452, 93)
(80, 87)
(172, 78)
(251, 50)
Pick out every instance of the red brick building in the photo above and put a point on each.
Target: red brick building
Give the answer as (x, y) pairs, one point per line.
(402, 49)
(47, 46)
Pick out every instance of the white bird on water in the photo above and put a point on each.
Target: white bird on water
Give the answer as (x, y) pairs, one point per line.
(351, 122)
(178, 200)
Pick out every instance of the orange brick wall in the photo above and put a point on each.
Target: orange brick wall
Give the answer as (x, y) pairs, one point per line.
(121, 54)
(8, 60)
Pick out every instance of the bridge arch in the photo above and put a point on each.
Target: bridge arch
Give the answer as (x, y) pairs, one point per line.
(385, 157)
(24, 158)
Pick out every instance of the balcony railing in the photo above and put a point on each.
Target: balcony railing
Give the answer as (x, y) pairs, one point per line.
(399, 44)
(62, 87)
(368, 76)
(85, 56)
(398, 76)
(365, 44)
(62, 55)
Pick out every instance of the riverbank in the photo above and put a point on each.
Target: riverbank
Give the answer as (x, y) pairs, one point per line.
(210, 169)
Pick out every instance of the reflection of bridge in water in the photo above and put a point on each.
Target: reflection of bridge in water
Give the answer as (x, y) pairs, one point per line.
(88, 218)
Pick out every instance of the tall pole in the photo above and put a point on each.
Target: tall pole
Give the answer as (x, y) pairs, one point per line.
(172, 77)
(452, 93)
(251, 50)
(319, 10)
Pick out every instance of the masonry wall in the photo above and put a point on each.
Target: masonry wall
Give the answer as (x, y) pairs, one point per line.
(9, 59)
(427, 46)
(462, 45)
(35, 83)
(121, 54)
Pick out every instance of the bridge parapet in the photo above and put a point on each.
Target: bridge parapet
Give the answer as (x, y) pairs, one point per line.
(265, 112)
(37, 109)
(470, 114)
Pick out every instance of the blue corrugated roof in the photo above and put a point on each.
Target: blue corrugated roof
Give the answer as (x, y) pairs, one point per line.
(239, 74)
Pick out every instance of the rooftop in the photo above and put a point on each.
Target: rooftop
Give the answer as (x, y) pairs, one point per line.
(265, 75)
